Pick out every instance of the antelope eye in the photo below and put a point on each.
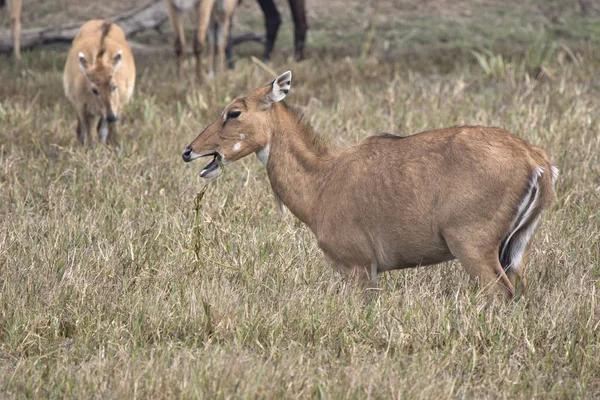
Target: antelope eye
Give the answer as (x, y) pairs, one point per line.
(112, 89)
(233, 114)
(95, 91)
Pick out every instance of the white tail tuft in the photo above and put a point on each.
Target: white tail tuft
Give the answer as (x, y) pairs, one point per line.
(515, 242)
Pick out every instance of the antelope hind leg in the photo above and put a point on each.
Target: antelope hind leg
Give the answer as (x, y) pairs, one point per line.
(485, 268)
(516, 274)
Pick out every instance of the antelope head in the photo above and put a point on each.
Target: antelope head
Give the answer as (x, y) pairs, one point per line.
(242, 129)
(102, 84)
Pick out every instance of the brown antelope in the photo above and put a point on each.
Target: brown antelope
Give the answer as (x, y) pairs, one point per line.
(472, 193)
(99, 77)
(212, 19)
(15, 21)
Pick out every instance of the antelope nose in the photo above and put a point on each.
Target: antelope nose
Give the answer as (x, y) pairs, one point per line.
(112, 118)
(187, 154)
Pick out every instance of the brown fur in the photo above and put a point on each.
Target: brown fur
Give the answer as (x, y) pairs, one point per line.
(100, 43)
(388, 201)
(212, 18)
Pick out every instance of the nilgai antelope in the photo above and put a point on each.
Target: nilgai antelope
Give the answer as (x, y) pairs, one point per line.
(15, 21)
(389, 202)
(212, 19)
(99, 78)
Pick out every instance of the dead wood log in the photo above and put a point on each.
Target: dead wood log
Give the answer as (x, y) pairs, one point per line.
(148, 16)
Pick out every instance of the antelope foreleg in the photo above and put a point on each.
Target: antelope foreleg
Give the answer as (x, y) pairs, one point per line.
(272, 22)
(300, 27)
(84, 127)
(203, 13)
(222, 40)
(179, 42)
(15, 16)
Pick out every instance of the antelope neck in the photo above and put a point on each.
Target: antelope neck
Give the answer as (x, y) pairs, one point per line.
(297, 162)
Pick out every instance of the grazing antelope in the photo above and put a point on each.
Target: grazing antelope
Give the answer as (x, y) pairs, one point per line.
(15, 20)
(99, 77)
(472, 193)
(212, 18)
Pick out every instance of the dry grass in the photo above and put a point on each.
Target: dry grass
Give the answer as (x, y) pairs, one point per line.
(102, 295)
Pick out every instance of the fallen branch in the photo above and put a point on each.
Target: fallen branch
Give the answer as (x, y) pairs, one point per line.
(148, 16)
(247, 37)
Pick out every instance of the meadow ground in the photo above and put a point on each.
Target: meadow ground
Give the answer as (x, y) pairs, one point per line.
(108, 291)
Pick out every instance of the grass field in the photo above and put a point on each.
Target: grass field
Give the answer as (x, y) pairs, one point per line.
(102, 292)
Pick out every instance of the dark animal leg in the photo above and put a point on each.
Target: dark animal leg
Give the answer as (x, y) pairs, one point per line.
(272, 22)
(81, 134)
(229, 48)
(300, 27)
(179, 54)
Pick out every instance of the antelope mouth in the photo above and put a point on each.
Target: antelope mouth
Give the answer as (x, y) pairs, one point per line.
(211, 170)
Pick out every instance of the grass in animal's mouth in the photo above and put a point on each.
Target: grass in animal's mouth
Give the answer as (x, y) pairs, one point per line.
(211, 169)
(114, 281)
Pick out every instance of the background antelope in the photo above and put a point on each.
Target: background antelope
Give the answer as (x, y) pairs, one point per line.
(390, 202)
(99, 77)
(212, 19)
(15, 21)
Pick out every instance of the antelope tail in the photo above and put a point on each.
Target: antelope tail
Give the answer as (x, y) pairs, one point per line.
(515, 242)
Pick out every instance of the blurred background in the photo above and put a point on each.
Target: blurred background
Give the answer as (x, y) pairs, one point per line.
(408, 30)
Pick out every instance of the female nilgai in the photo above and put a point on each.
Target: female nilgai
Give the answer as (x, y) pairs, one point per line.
(472, 193)
(99, 77)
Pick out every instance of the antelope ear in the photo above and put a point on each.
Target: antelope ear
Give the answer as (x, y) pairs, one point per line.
(83, 64)
(117, 60)
(280, 87)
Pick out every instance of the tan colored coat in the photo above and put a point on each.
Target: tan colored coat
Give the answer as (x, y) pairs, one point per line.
(212, 19)
(473, 193)
(99, 77)
(15, 24)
